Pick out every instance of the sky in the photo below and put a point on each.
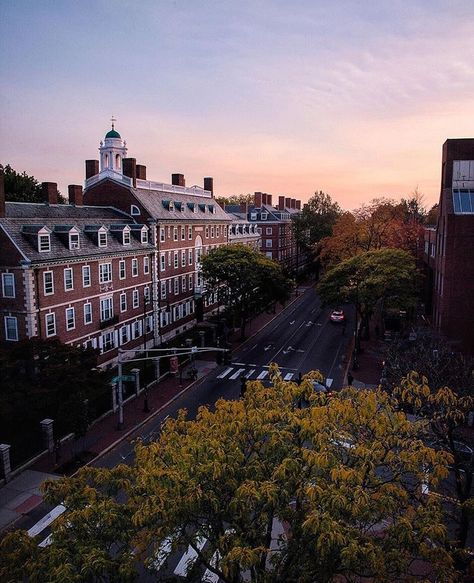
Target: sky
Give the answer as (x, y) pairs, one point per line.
(352, 97)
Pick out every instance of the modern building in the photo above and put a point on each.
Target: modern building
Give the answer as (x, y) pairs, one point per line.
(449, 248)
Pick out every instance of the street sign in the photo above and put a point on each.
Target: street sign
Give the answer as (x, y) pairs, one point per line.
(174, 364)
(125, 378)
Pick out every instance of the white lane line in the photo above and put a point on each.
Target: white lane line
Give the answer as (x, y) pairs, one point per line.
(239, 364)
(329, 383)
(253, 365)
(209, 576)
(250, 373)
(225, 373)
(237, 374)
(262, 375)
(46, 520)
(288, 376)
(291, 323)
(189, 557)
(162, 553)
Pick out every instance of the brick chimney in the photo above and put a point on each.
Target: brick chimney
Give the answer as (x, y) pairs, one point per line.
(75, 194)
(298, 205)
(269, 199)
(129, 168)
(141, 172)
(244, 207)
(49, 191)
(264, 198)
(2, 193)
(258, 199)
(281, 203)
(293, 203)
(178, 180)
(209, 184)
(92, 168)
(287, 202)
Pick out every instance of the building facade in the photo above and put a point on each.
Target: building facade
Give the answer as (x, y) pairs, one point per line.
(449, 248)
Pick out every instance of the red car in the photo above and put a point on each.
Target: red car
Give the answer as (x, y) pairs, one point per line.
(337, 316)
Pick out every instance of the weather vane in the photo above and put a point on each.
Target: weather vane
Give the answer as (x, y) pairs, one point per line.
(113, 120)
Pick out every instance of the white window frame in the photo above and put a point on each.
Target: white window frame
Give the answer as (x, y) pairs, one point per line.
(123, 302)
(70, 321)
(183, 258)
(144, 235)
(122, 269)
(190, 256)
(105, 272)
(87, 310)
(14, 320)
(123, 335)
(134, 267)
(190, 233)
(190, 281)
(268, 230)
(50, 324)
(44, 237)
(268, 243)
(176, 260)
(162, 262)
(163, 290)
(106, 307)
(135, 299)
(76, 243)
(162, 234)
(146, 265)
(134, 210)
(86, 276)
(126, 237)
(68, 270)
(176, 286)
(183, 233)
(108, 341)
(175, 233)
(48, 293)
(11, 277)
(102, 238)
(183, 283)
(206, 232)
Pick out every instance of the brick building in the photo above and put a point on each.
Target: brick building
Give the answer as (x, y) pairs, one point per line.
(81, 274)
(449, 248)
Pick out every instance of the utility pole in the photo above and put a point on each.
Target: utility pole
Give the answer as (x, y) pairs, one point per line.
(120, 391)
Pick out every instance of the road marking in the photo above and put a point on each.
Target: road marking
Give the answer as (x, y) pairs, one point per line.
(189, 557)
(250, 373)
(262, 375)
(46, 542)
(236, 374)
(288, 376)
(254, 365)
(309, 323)
(225, 373)
(291, 323)
(267, 347)
(329, 383)
(46, 520)
(239, 364)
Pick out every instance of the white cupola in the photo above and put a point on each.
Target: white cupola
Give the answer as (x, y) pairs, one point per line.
(112, 150)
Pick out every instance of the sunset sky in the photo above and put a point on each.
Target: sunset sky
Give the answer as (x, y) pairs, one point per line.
(353, 97)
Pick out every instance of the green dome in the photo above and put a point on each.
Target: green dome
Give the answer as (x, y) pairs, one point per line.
(112, 134)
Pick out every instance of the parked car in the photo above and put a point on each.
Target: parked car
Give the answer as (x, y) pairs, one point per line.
(337, 316)
(320, 388)
(462, 449)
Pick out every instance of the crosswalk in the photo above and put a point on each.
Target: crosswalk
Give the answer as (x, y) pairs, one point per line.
(253, 372)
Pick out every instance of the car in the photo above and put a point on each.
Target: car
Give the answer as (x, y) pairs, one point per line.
(337, 316)
(320, 388)
(464, 451)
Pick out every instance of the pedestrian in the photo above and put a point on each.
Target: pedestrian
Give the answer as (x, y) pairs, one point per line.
(350, 379)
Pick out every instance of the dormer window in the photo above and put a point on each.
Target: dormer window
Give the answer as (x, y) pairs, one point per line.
(44, 242)
(134, 210)
(253, 216)
(264, 216)
(171, 206)
(144, 235)
(102, 237)
(211, 208)
(126, 236)
(73, 240)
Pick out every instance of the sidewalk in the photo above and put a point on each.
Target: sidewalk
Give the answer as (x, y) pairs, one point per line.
(22, 494)
(371, 358)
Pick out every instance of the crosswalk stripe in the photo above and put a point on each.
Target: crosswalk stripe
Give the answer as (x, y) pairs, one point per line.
(250, 373)
(288, 376)
(262, 375)
(225, 373)
(46, 542)
(46, 520)
(162, 553)
(236, 374)
(189, 557)
(209, 576)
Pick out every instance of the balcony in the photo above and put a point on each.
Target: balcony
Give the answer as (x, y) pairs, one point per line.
(109, 322)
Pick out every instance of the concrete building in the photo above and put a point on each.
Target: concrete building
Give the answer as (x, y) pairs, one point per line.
(449, 248)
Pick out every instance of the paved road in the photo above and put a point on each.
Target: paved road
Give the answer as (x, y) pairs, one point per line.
(299, 339)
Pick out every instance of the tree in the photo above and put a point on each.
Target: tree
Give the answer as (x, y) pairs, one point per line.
(22, 187)
(316, 220)
(447, 413)
(385, 275)
(41, 379)
(235, 199)
(344, 476)
(247, 280)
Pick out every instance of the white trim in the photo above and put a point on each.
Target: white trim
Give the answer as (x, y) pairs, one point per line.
(15, 320)
(12, 276)
(72, 279)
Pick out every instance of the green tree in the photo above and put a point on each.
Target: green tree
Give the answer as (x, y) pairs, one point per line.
(22, 187)
(344, 477)
(246, 280)
(235, 199)
(316, 220)
(385, 275)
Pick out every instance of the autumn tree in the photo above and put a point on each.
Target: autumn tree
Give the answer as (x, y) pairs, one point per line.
(447, 413)
(387, 275)
(344, 478)
(316, 220)
(245, 279)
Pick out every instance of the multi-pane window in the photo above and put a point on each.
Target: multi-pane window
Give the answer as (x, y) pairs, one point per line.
(70, 319)
(176, 285)
(102, 239)
(122, 272)
(183, 283)
(146, 294)
(86, 275)
(123, 302)
(73, 240)
(105, 272)
(126, 237)
(183, 258)
(162, 262)
(8, 285)
(268, 242)
(175, 233)
(11, 328)
(170, 285)
(144, 236)
(134, 267)
(50, 321)
(163, 290)
(183, 233)
(48, 283)
(169, 258)
(136, 329)
(146, 265)
(135, 298)
(176, 260)
(162, 234)
(212, 232)
(217, 231)
(190, 233)
(44, 243)
(123, 334)
(190, 256)
(268, 230)
(106, 309)
(88, 313)
(207, 233)
(68, 279)
(108, 341)
(190, 282)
